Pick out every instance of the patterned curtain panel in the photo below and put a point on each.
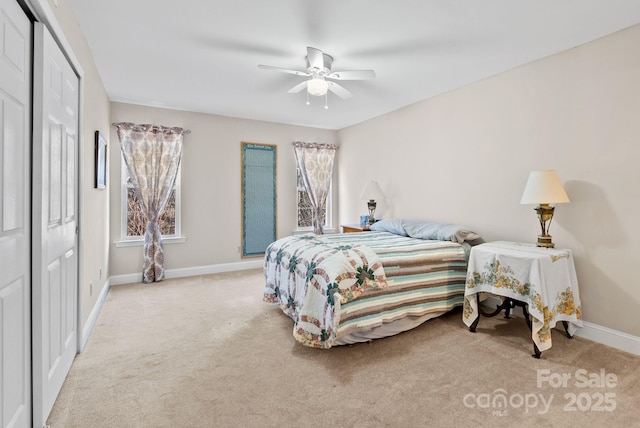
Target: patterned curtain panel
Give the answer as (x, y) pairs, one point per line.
(152, 155)
(315, 162)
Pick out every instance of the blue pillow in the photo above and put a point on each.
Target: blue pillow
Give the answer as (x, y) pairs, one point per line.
(440, 232)
(392, 225)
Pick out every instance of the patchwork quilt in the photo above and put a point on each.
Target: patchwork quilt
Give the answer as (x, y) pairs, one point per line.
(311, 276)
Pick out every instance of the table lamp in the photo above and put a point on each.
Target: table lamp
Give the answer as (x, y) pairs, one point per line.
(372, 192)
(544, 188)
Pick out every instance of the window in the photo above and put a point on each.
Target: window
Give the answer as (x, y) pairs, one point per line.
(305, 213)
(134, 222)
(303, 203)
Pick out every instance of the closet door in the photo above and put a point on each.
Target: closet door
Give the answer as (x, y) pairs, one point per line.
(15, 282)
(55, 246)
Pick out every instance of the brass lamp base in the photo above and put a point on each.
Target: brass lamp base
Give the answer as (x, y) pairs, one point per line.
(545, 241)
(545, 215)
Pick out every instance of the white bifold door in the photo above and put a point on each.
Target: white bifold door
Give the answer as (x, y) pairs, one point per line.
(15, 239)
(38, 219)
(55, 208)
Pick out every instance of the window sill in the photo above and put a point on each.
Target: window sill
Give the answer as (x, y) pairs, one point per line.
(140, 242)
(327, 231)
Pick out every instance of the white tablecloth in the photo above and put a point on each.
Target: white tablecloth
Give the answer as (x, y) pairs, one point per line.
(544, 278)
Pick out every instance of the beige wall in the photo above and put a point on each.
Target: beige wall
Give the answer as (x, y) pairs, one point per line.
(94, 204)
(465, 157)
(211, 204)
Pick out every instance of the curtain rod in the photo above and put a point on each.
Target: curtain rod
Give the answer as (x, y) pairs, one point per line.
(184, 131)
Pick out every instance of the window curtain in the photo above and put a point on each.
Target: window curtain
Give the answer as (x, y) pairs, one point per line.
(152, 155)
(315, 162)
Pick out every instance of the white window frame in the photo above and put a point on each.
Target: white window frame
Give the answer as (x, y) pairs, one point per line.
(130, 241)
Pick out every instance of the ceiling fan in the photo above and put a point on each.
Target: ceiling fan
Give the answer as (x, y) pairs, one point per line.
(321, 76)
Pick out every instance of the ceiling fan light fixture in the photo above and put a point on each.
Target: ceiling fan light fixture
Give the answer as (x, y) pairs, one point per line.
(317, 86)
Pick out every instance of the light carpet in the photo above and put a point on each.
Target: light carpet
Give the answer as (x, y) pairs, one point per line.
(206, 351)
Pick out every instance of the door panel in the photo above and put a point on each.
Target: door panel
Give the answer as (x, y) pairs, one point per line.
(15, 237)
(55, 167)
(55, 192)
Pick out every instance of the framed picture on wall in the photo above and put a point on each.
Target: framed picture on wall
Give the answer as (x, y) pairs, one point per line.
(101, 161)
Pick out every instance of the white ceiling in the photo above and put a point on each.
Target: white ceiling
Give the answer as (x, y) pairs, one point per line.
(202, 55)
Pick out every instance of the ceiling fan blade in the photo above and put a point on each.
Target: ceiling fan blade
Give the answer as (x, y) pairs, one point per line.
(298, 87)
(339, 90)
(352, 75)
(284, 70)
(314, 56)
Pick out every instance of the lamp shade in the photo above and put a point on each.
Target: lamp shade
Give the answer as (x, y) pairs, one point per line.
(544, 187)
(317, 86)
(372, 191)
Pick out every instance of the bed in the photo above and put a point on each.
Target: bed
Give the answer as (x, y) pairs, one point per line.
(348, 288)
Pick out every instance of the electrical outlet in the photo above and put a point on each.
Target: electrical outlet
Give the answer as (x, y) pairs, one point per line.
(91, 288)
(239, 249)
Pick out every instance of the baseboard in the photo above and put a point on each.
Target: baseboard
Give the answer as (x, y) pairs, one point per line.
(594, 332)
(93, 316)
(606, 336)
(192, 271)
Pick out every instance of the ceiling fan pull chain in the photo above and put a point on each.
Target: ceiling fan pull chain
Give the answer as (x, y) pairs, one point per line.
(326, 101)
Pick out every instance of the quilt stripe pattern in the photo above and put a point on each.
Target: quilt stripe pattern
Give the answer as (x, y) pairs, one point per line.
(424, 278)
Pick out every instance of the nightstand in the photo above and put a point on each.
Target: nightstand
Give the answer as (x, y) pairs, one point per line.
(351, 228)
(540, 280)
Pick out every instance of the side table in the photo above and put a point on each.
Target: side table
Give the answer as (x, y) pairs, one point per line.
(351, 228)
(541, 280)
